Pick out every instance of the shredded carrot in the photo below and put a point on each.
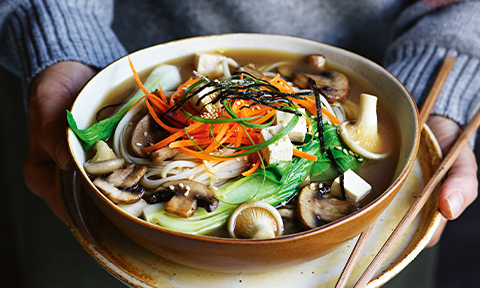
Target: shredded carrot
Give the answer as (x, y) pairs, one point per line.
(173, 137)
(162, 95)
(137, 78)
(253, 168)
(159, 122)
(136, 103)
(301, 154)
(187, 143)
(203, 156)
(312, 109)
(205, 165)
(181, 89)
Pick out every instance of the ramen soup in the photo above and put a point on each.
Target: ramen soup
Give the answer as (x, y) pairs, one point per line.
(243, 144)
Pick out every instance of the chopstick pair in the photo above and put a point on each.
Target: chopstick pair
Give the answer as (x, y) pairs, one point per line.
(415, 208)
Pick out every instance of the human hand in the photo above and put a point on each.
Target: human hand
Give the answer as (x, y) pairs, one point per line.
(52, 92)
(461, 185)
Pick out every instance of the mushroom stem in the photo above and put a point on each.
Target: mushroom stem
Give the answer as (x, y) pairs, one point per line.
(262, 230)
(362, 136)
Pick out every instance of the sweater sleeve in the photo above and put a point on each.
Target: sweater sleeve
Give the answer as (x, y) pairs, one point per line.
(424, 35)
(38, 33)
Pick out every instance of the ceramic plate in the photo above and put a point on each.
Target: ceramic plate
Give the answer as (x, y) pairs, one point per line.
(138, 267)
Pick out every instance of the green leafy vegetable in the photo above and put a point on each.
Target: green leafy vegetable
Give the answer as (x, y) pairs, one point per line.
(322, 169)
(167, 76)
(279, 183)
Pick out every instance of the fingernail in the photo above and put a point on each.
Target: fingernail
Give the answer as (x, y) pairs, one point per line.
(455, 203)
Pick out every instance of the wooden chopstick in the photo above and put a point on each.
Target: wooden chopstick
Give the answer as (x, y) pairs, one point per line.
(447, 162)
(424, 113)
(356, 252)
(422, 198)
(435, 90)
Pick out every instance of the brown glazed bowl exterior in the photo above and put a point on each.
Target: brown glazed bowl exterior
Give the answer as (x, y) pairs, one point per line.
(234, 255)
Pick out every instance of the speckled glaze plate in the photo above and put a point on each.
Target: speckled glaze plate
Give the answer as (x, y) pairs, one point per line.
(138, 267)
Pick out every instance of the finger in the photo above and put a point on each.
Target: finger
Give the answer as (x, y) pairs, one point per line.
(460, 187)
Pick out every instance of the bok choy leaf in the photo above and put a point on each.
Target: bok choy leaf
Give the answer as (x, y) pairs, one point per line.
(167, 76)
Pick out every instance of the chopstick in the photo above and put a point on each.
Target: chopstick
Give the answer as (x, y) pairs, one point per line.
(424, 113)
(445, 165)
(447, 162)
(435, 90)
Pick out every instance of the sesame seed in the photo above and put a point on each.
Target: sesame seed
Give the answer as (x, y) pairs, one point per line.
(171, 187)
(138, 144)
(187, 187)
(145, 134)
(338, 147)
(345, 151)
(190, 177)
(351, 152)
(360, 159)
(186, 193)
(181, 185)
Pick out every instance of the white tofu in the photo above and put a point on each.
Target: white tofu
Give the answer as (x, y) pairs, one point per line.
(204, 103)
(209, 65)
(355, 187)
(297, 134)
(282, 150)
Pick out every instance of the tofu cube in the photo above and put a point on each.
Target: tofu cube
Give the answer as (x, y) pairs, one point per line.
(209, 65)
(205, 101)
(298, 132)
(282, 150)
(355, 187)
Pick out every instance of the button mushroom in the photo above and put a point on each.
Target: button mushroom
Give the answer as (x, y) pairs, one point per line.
(146, 132)
(119, 186)
(184, 196)
(162, 154)
(315, 62)
(104, 162)
(255, 220)
(314, 210)
(332, 83)
(362, 136)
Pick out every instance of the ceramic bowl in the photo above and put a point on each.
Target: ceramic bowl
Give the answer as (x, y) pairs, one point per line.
(235, 255)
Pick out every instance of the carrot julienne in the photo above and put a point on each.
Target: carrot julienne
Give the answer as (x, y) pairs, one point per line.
(301, 154)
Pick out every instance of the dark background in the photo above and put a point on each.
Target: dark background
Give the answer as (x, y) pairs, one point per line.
(31, 236)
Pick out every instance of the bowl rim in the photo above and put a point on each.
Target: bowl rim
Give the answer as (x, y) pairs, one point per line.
(395, 185)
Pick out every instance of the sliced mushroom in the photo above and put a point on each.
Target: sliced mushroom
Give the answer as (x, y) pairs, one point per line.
(146, 132)
(162, 154)
(116, 195)
(314, 210)
(255, 220)
(250, 69)
(184, 196)
(119, 186)
(104, 162)
(332, 83)
(315, 62)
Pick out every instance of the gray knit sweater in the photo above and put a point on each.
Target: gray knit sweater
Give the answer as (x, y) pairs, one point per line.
(410, 40)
